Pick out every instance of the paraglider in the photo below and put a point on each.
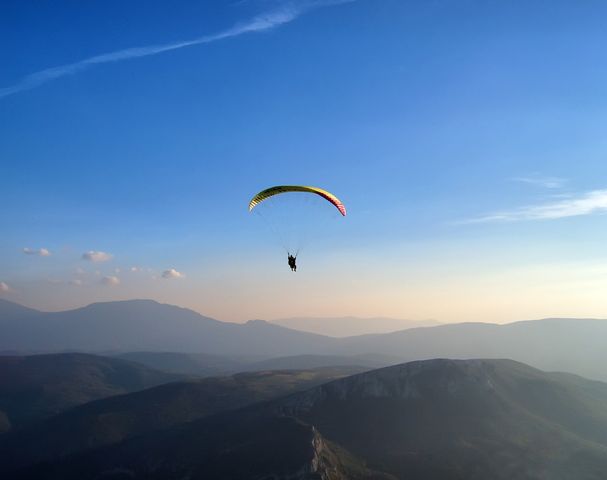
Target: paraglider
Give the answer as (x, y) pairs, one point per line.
(291, 260)
(292, 216)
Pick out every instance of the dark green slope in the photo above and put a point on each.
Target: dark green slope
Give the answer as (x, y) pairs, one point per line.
(430, 420)
(204, 365)
(198, 364)
(368, 361)
(37, 386)
(114, 419)
(240, 445)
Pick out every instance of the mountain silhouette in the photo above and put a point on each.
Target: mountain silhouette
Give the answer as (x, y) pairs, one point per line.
(350, 326)
(145, 325)
(572, 345)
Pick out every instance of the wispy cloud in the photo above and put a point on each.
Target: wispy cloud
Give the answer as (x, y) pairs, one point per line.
(587, 203)
(172, 273)
(41, 252)
(260, 23)
(96, 256)
(4, 287)
(110, 281)
(541, 181)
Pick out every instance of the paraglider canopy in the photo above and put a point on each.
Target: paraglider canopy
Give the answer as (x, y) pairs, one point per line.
(270, 192)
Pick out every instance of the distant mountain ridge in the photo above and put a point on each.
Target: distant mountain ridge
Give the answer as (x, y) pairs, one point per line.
(571, 345)
(11, 309)
(351, 326)
(145, 325)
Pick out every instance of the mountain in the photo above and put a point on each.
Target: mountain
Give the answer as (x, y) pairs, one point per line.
(350, 326)
(573, 345)
(10, 310)
(494, 419)
(145, 325)
(39, 386)
(229, 446)
(435, 419)
(114, 419)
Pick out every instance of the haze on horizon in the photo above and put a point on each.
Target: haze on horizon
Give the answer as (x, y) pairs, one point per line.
(466, 139)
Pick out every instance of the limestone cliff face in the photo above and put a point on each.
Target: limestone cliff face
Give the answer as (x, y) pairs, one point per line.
(317, 468)
(320, 465)
(330, 462)
(325, 463)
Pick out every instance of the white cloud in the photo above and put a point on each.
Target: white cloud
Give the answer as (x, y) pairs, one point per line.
(134, 269)
(587, 203)
(172, 273)
(260, 23)
(77, 282)
(41, 252)
(4, 287)
(540, 181)
(95, 256)
(110, 281)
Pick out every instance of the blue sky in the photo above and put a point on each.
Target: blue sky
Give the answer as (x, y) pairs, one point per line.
(466, 137)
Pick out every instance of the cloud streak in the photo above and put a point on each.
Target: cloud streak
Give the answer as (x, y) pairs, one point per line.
(546, 182)
(260, 23)
(587, 203)
(40, 252)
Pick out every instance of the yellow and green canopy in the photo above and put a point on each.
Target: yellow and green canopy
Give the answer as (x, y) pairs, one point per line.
(270, 192)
